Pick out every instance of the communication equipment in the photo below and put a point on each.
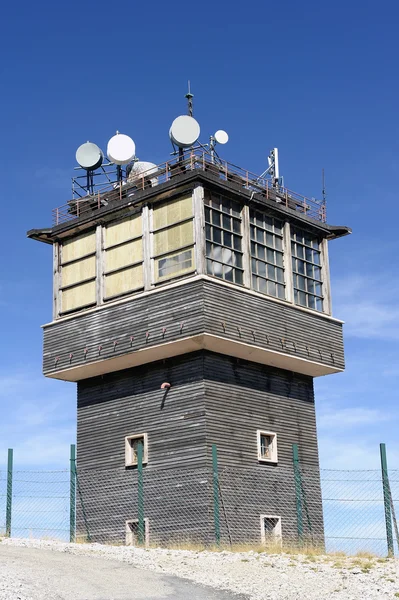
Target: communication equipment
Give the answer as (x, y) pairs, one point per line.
(144, 169)
(89, 156)
(184, 131)
(121, 149)
(221, 137)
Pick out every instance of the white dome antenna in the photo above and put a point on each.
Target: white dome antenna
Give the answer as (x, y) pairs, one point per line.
(184, 131)
(121, 149)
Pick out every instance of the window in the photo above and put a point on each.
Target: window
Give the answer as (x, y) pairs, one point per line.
(78, 272)
(123, 260)
(306, 268)
(223, 238)
(267, 446)
(267, 254)
(132, 532)
(270, 529)
(131, 449)
(173, 238)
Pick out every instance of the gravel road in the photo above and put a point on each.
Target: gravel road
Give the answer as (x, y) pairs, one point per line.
(37, 574)
(47, 570)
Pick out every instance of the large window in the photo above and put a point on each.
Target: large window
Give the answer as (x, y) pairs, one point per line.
(223, 238)
(267, 265)
(306, 267)
(173, 238)
(123, 260)
(78, 272)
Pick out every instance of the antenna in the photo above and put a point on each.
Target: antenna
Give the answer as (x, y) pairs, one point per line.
(89, 157)
(189, 97)
(121, 149)
(220, 137)
(273, 169)
(184, 131)
(323, 186)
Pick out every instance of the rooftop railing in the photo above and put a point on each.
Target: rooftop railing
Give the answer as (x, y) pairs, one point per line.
(194, 160)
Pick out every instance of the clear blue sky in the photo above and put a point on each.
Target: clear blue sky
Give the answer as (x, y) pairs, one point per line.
(320, 82)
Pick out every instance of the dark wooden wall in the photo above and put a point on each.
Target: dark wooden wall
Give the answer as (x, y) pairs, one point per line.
(213, 399)
(201, 306)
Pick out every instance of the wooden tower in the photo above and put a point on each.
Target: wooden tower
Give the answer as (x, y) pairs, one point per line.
(205, 277)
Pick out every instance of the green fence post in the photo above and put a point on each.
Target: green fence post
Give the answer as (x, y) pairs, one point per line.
(72, 494)
(140, 492)
(9, 492)
(387, 499)
(216, 510)
(298, 491)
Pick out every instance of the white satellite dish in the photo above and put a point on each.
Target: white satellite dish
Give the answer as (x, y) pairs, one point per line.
(89, 156)
(121, 149)
(184, 131)
(221, 137)
(143, 168)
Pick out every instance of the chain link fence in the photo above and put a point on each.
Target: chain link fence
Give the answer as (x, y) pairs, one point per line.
(348, 511)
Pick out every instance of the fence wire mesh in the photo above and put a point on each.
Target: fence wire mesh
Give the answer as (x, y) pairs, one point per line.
(332, 510)
(39, 504)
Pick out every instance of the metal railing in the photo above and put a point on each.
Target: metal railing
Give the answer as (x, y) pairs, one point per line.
(190, 161)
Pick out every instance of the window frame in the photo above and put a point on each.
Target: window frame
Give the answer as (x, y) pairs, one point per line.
(253, 212)
(129, 450)
(274, 452)
(129, 533)
(209, 258)
(321, 265)
(156, 257)
(102, 260)
(277, 534)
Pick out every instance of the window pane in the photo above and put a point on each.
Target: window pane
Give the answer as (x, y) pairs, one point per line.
(226, 222)
(262, 252)
(262, 269)
(217, 235)
(272, 288)
(227, 239)
(307, 284)
(264, 240)
(239, 277)
(262, 285)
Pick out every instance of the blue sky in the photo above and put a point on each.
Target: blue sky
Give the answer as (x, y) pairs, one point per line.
(317, 81)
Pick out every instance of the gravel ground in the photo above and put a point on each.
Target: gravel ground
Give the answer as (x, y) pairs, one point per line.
(258, 576)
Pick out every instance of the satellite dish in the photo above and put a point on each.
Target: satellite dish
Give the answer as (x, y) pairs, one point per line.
(142, 168)
(221, 137)
(121, 149)
(89, 156)
(184, 131)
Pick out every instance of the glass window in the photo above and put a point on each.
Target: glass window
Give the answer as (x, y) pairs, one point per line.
(267, 446)
(78, 272)
(173, 238)
(306, 270)
(267, 262)
(123, 257)
(223, 238)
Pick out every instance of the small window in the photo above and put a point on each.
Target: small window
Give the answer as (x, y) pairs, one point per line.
(131, 449)
(270, 529)
(132, 532)
(267, 446)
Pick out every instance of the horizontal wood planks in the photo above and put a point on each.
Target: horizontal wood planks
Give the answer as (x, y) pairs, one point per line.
(199, 306)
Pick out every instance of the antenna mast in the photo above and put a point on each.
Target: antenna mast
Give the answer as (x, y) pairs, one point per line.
(189, 97)
(323, 186)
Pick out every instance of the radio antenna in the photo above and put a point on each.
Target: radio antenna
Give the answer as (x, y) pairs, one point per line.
(189, 97)
(323, 185)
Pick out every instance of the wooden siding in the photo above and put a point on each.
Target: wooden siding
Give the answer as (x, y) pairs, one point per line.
(195, 307)
(212, 399)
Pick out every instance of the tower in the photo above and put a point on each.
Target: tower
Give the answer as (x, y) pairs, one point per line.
(192, 308)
